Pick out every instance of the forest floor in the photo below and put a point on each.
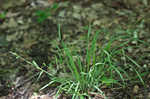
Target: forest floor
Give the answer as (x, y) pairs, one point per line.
(24, 30)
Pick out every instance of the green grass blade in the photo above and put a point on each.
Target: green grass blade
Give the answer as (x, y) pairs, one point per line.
(47, 85)
(72, 65)
(134, 62)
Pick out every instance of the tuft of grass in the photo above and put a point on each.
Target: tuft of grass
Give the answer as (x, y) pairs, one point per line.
(84, 75)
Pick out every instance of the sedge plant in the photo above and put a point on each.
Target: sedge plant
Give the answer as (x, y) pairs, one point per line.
(88, 73)
(88, 76)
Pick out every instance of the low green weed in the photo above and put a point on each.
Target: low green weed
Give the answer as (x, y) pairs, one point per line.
(42, 15)
(2, 15)
(84, 75)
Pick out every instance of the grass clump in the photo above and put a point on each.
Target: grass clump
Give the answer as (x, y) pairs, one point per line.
(82, 75)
